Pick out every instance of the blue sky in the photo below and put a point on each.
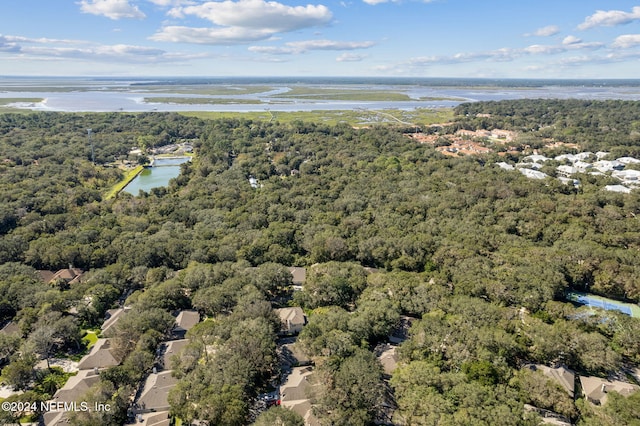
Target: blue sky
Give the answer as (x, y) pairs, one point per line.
(413, 38)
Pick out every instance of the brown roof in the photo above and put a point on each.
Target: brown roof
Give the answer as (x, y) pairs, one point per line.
(291, 317)
(69, 275)
(10, 328)
(100, 356)
(299, 274)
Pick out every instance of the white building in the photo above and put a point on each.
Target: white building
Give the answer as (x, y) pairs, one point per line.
(533, 174)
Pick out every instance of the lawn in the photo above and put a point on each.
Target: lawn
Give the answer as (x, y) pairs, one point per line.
(90, 338)
(128, 177)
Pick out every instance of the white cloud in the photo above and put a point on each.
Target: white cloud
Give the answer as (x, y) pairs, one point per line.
(56, 49)
(350, 57)
(568, 40)
(211, 36)
(626, 41)
(547, 31)
(112, 9)
(330, 45)
(374, 2)
(169, 2)
(610, 18)
(297, 47)
(260, 14)
(538, 49)
(242, 21)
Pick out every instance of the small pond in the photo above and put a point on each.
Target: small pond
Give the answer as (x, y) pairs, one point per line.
(163, 170)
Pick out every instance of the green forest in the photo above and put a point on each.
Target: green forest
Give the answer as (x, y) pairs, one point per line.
(477, 258)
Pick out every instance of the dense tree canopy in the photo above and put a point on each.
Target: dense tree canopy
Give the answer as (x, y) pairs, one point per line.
(478, 258)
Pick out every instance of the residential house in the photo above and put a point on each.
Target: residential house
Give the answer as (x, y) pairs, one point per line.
(548, 417)
(536, 158)
(608, 166)
(292, 355)
(566, 157)
(112, 318)
(75, 388)
(582, 166)
(567, 171)
(595, 389)
(628, 160)
(627, 176)
(533, 166)
(295, 392)
(533, 174)
(299, 275)
(561, 375)
(618, 188)
(101, 356)
(10, 328)
(401, 332)
(292, 319)
(584, 155)
(388, 356)
(154, 395)
(68, 276)
(505, 166)
(184, 322)
(168, 349)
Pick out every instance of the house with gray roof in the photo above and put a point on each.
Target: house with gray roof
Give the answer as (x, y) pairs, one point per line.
(154, 395)
(595, 389)
(561, 375)
(75, 388)
(184, 322)
(112, 318)
(101, 356)
(168, 349)
(295, 392)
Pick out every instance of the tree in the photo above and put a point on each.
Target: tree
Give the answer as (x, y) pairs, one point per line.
(279, 416)
(19, 372)
(354, 393)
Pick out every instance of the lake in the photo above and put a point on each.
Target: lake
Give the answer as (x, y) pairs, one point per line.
(163, 170)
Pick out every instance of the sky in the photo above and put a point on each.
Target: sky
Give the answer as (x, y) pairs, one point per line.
(386, 38)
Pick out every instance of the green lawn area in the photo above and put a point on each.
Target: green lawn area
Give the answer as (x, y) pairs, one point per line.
(344, 94)
(128, 177)
(90, 338)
